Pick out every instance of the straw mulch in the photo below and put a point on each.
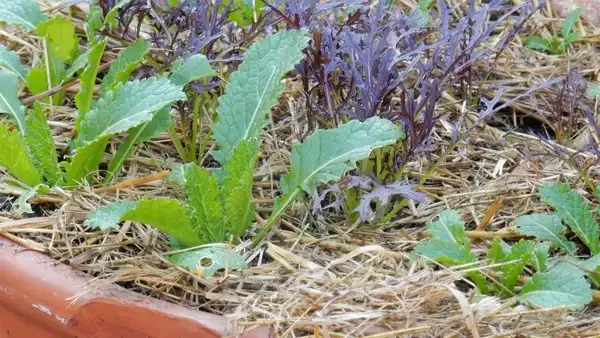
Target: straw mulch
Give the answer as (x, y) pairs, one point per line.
(317, 275)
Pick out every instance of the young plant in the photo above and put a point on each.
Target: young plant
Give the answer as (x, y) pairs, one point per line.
(557, 44)
(219, 201)
(551, 285)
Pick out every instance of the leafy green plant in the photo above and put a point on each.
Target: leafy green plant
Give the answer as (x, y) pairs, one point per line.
(555, 44)
(558, 283)
(219, 204)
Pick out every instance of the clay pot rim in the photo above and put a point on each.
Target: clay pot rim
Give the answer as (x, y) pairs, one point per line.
(42, 292)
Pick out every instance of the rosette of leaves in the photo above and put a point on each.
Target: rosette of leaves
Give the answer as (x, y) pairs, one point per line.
(551, 285)
(219, 204)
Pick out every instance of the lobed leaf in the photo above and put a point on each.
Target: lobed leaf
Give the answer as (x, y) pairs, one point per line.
(556, 287)
(546, 227)
(195, 67)
(10, 60)
(254, 89)
(519, 256)
(83, 99)
(125, 63)
(21, 204)
(168, 215)
(204, 201)
(237, 187)
(25, 13)
(15, 159)
(205, 262)
(41, 146)
(129, 106)
(328, 154)
(9, 102)
(570, 206)
(108, 216)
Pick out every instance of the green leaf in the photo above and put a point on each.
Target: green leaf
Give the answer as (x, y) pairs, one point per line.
(204, 201)
(26, 13)
(108, 216)
(205, 262)
(125, 63)
(10, 60)
(111, 16)
(37, 81)
(444, 252)
(556, 288)
(540, 256)
(328, 154)
(448, 228)
(9, 102)
(41, 146)
(254, 89)
(15, 159)
(538, 43)
(520, 255)
(86, 159)
(79, 64)
(569, 39)
(593, 90)
(244, 11)
(570, 206)
(142, 133)
(497, 251)
(128, 106)
(177, 174)
(21, 206)
(546, 227)
(83, 99)
(237, 187)
(193, 68)
(94, 23)
(60, 37)
(570, 21)
(167, 215)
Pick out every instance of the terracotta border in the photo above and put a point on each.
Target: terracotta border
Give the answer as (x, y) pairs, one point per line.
(36, 301)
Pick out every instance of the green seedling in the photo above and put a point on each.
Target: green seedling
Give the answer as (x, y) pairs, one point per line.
(557, 44)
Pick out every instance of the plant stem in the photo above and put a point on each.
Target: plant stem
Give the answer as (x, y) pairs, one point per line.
(279, 210)
(177, 142)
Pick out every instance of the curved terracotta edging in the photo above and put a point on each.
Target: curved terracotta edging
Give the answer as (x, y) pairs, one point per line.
(36, 300)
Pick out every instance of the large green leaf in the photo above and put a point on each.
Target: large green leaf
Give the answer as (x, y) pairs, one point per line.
(448, 228)
(83, 99)
(108, 216)
(41, 146)
(205, 262)
(60, 37)
(328, 154)
(142, 133)
(10, 60)
(204, 201)
(556, 287)
(26, 13)
(254, 89)
(444, 252)
(86, 159)
(237, 187)
(15, 159)
(128, 106)
(570, 206)
(546, 227)
(167, 215)
(125, 63)
(195, 67)
(9, 102)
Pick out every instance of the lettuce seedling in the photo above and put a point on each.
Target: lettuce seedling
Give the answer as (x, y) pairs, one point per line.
(555, 44)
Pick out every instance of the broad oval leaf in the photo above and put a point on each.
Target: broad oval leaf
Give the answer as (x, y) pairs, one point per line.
(329, 153)
(26, 13)
(254, 89)
(546, 227)
(125, 63)
(128, 106)
(195, 67)
(206, 261)
(556, 287)
(60, 37)
(10, 60)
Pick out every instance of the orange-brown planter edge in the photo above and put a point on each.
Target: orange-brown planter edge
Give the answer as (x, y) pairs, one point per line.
(40, 298)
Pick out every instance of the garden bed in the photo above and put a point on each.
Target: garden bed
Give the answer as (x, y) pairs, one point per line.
(318, 274)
